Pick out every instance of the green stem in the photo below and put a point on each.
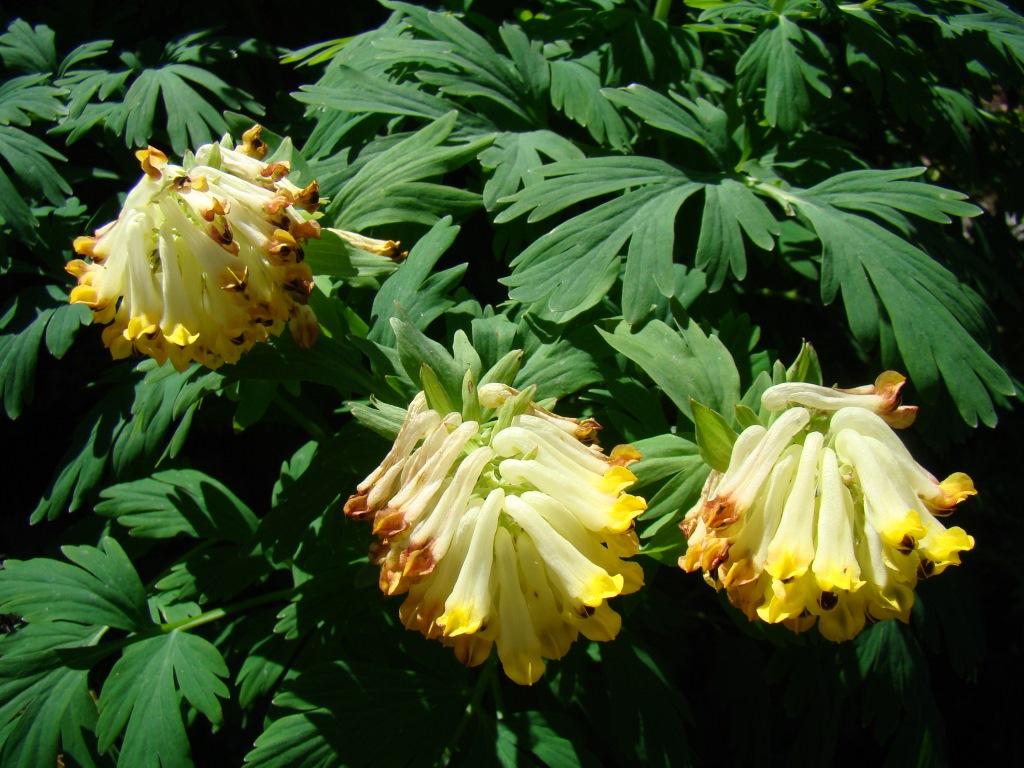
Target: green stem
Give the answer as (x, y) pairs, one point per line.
(784, 199)
(312, 428)
(220, 613)
(661, 8)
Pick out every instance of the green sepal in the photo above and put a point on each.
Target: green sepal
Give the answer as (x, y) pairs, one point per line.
(504, 371)
(514, 406)
(747, 417)
(715, 437)
(471, 408)
(806, 366)
(437, 398)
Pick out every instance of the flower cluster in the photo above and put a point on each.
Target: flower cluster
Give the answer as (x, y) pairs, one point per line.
(825, 516)
(203, 261)
(508, 531)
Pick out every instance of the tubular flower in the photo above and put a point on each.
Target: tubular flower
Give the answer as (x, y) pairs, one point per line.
(508, 531)
(825, 516)
(204, 260)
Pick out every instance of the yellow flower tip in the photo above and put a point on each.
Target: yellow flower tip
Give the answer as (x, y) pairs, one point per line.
(624, 455)
(602, 625)
(945, 549)
(955, 489)
(600, 588)
(626, 508)
(139, 326)
(889, 387)
(83, 245)
(460, 620)
(523, 669)
(152, 161)
(389, 522)
(904, 532)
(114, 340)
(837, 579)
(789, 565)
(713, 553)
(738, 572)
(615, 480)
(181, 337)
(471, 650)
(252, 145)
(901, 417)
(356, 507)
(85, 294)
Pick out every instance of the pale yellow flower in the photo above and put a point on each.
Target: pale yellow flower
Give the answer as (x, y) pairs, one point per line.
(825, 517)
(509, 531)
(205, 259)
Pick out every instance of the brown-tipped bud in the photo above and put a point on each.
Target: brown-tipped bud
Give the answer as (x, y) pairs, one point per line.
(309, 198)
(276, 171)
(217, 208)
(282, 248)
(252, 145)
(306, 230)
(152, 161)
(356, 507)
(278, 203)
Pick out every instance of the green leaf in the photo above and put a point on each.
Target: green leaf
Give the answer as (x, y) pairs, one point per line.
(728, 206)
(883, 193)
(347, 89)
(161, 397)
(576, 91)
(331, 472)
(99, 588)
(28, 49)
(415, 350)
(45, 704)
(572, 267)
(33, 313)
(367, 198)
(191, 119)
(676, 115)
(782, 57)
(348, 710)
(24, 100)
(178, 501)
(931, 315)
(685, 364)
(449, 55)
(142, 696)
(82, 467)
(557, 366)
(551, 737)
(715, 438)
(513, 156)
(415, 289)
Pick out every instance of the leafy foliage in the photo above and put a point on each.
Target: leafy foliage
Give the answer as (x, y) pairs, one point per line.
(638, 208)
